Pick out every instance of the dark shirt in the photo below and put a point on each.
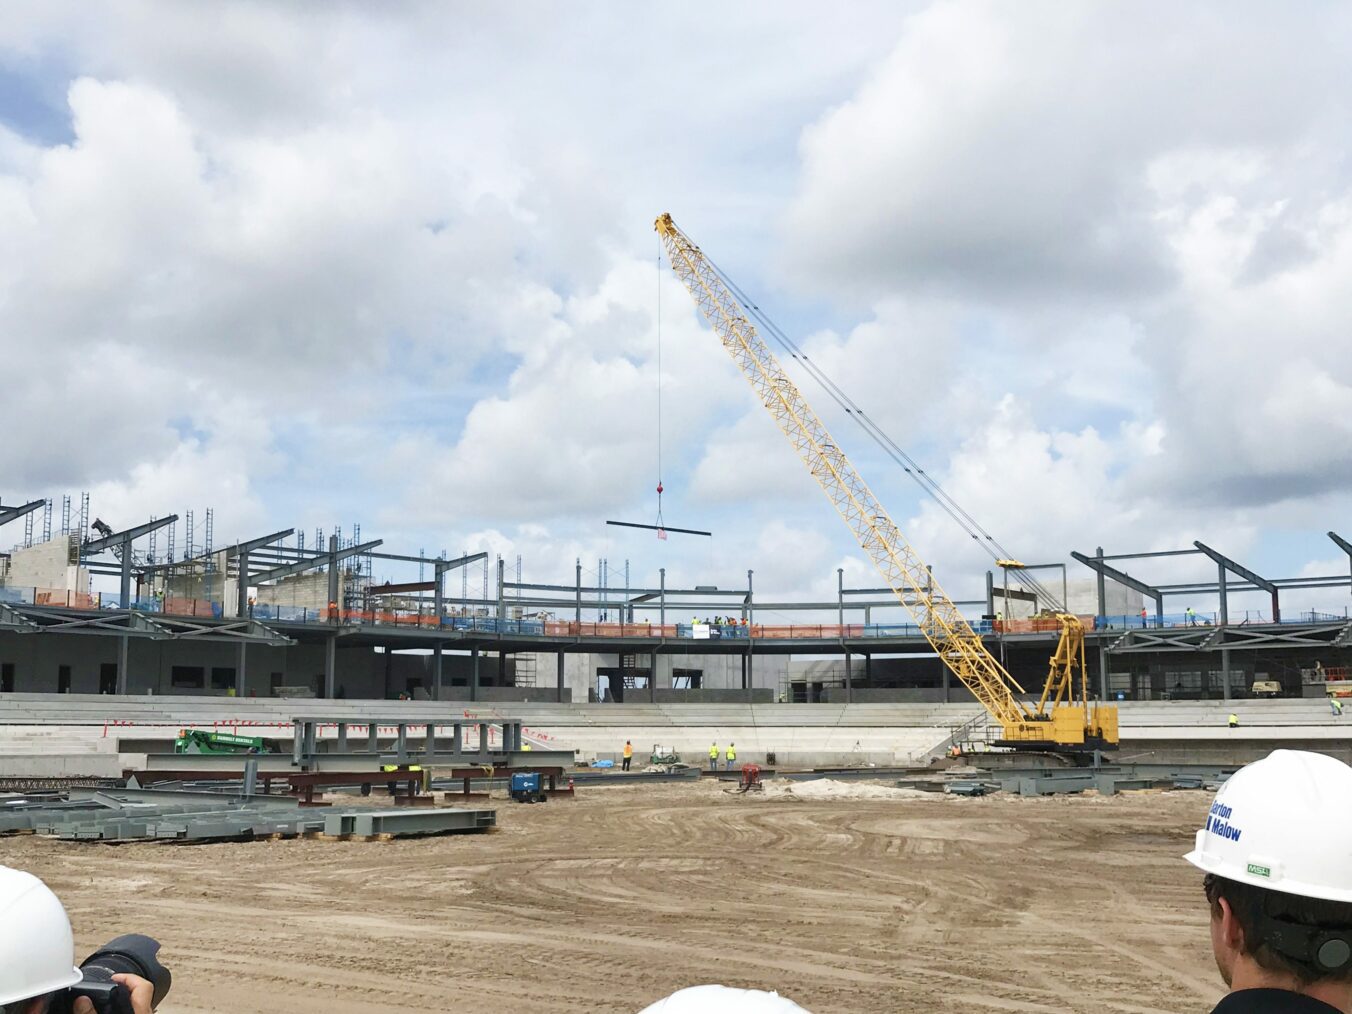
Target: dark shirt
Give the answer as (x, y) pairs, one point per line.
(1271, 1001)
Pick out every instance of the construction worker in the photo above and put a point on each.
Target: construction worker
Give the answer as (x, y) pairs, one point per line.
(713, 757)
(1234, 720)
(628, 754)
(1143, 615)
(731, 755)
(37, 951)
(1336, 706)
(1190, 617)
(1274, 850)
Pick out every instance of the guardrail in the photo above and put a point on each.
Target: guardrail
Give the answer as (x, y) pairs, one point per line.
(712, 631)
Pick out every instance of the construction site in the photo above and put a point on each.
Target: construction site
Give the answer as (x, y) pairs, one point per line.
(308, 760)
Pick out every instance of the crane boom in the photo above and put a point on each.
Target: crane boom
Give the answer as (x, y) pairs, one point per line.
(939, 620)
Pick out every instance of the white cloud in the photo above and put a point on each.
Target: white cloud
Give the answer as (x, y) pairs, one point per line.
(328, 263)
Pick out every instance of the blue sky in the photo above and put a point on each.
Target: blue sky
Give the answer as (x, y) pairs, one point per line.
(317, 265)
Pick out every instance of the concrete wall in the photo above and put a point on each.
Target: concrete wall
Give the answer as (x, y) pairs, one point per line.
(48, 565)
(898, 695)
(302, 591)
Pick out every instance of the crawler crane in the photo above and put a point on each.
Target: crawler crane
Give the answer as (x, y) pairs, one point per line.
(1065, 720)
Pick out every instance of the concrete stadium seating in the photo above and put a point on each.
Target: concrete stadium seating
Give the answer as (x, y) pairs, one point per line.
(816, 735)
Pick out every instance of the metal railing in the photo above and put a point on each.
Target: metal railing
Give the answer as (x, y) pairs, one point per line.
(735, 631)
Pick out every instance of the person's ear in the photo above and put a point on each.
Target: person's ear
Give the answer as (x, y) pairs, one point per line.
(1232, 933)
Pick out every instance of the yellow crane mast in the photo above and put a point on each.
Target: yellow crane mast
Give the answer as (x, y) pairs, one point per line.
(1072, 724)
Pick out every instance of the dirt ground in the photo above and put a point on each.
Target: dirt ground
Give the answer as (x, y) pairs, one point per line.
(840, 901)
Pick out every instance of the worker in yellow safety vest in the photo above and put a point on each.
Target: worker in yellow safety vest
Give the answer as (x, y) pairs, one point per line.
(713, 757)
(1234, 721)
(731, 755)
(628, 754)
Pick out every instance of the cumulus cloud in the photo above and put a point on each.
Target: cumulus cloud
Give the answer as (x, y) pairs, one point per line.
(395, 265)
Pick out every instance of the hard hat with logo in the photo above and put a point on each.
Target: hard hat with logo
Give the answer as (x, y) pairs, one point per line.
(36, 946)
(1284, 823)
(723, 1000)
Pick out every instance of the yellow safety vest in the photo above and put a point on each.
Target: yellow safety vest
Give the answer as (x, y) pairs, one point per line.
(732, 754)
(628, 750)
(713, 751)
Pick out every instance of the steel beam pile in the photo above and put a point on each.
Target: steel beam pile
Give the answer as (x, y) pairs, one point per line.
(121, 815)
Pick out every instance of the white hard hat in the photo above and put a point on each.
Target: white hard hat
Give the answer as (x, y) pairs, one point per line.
(723, 1000)
(36, 946)
(1284, 823)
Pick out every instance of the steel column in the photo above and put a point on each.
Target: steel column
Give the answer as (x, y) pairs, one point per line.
(335, 607)
(749, 673)
(242, 585)
(123, 677)
(1101, 582)
(502, 603)
(560, 675)
(330, 665)
(840, 598)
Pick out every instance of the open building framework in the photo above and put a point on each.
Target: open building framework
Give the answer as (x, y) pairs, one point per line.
(419, 615)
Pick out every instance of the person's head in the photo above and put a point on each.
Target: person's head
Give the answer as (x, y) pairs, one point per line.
(1277, 853)
(37, 949)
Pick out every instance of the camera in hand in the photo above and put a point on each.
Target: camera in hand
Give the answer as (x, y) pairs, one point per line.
(134, 954)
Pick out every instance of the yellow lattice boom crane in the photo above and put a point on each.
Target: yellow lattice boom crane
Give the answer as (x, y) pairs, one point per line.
(1065, 719)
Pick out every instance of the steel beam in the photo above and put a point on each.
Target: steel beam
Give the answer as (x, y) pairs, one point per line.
(12, 619)
(121, 538)
(1246, 574)
(376, 591)
(1097, 565)
(8, 514)
(301, 566)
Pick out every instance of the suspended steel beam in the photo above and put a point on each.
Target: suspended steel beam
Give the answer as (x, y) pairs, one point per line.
(8, 514)
(660, 528)
(301, 566)
(1093, 563)
(1248, 575)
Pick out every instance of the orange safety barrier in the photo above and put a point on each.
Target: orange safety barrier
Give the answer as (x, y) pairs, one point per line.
(1038, 625)
(186, 607)
(57, 597)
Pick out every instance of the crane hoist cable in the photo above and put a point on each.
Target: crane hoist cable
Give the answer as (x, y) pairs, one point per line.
(927, 483)
(661, 524)
(661, 527)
